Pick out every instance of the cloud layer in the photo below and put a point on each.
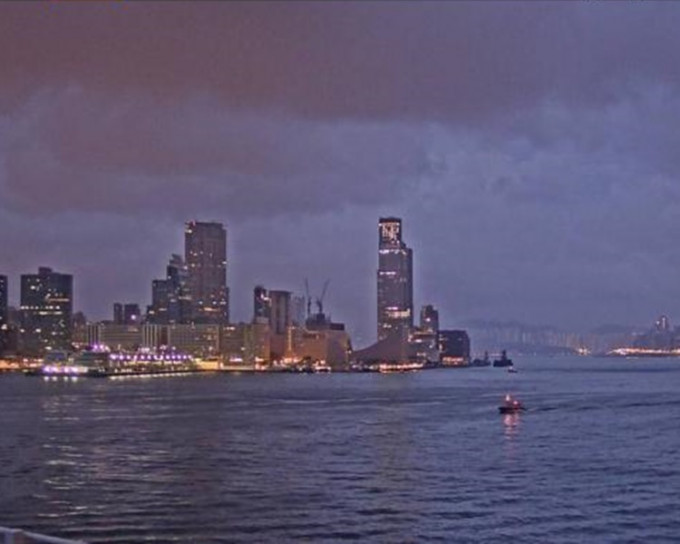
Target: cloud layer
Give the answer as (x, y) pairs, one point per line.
(531, 148)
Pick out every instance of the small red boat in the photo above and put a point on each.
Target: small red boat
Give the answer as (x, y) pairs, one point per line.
(511, 406)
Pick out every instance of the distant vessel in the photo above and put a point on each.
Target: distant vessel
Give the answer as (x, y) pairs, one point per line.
(106, 364)
(482, 362)
(503, 361)
(511, 406)
(389, 368)
(512, 370)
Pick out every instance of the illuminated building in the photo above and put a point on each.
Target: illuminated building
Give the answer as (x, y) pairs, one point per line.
(454, 347)
(79, 330)
(424, 346)
(46, 311)
(322, 341)
(160, 301)
(4, 308)
(202, 340)
(280, 324)
(395, 280)
(429, 319)
(4, 314)
(330, 347)
(245, 344)
(205, 247)
(123, 337)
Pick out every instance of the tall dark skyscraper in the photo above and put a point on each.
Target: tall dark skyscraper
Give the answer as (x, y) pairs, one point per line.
(158, 312)
(280, 316)
(4, 314)
(170, 298)
(262, 305)
(395, 279)
(205, 247)
(179, 298)
(4, 305)
(46, 311)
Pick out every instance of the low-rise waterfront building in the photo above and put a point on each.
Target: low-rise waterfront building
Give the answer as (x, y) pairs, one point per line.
(202, 340)
(454, 347)
(120, 337)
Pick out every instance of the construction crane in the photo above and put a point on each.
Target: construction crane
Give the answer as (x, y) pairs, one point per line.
(319, 300)
(308, 298)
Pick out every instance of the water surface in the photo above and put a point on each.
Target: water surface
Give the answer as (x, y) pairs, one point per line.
(419, 457)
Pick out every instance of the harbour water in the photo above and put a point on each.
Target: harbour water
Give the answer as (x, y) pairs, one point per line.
(414, 457)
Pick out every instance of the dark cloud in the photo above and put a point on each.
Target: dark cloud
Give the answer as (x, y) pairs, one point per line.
(127, 157)
(343, 59)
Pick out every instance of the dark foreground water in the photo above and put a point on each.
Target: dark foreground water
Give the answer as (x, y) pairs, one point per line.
(421, 457)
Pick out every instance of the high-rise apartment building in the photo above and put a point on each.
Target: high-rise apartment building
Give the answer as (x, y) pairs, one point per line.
(4, 314)
(46, 311)
(395, 280)
(4, 304)
(205, 246)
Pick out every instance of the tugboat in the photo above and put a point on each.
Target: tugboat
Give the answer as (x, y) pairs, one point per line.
(503, 361)
(482, 362)
(511, 406)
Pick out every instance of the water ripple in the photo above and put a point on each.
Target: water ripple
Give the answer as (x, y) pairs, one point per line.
(425, 458)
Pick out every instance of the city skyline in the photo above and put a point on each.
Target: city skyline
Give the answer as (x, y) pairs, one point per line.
(389, 237)
(530, 149)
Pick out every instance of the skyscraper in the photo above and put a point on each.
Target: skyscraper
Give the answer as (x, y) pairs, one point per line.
(179, 298)
(170, 297)
(205, 247)
(46, 311)
(158, 313)
(279, 317)
(395, 279)
(262, 305)
(4, 317)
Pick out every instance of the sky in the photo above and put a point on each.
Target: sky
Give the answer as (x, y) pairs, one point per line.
(530, 148)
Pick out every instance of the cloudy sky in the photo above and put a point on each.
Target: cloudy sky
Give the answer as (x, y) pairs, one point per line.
(532, 150)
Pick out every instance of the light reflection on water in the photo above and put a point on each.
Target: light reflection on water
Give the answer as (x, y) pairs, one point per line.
(511, 424)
